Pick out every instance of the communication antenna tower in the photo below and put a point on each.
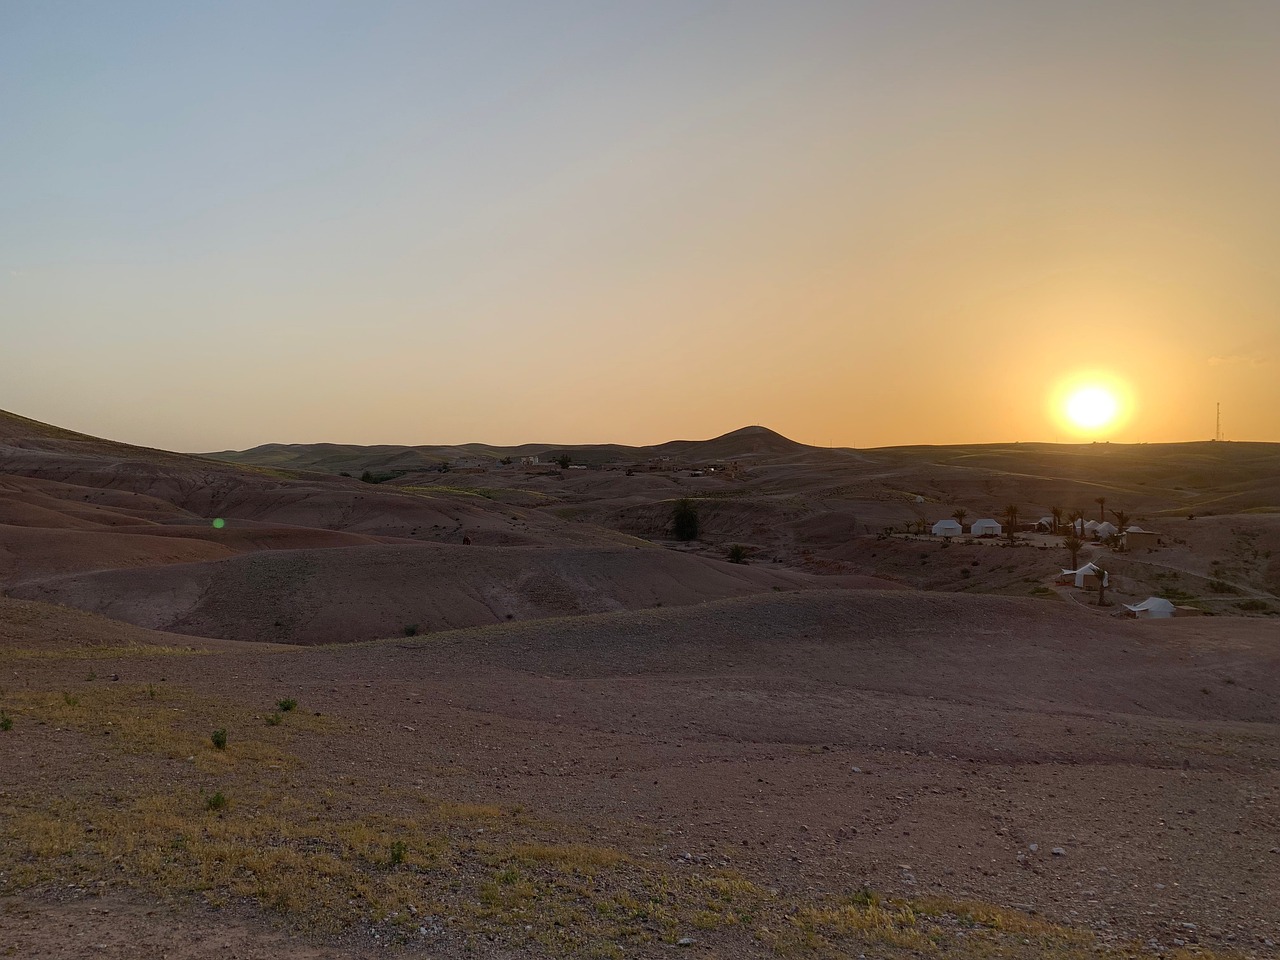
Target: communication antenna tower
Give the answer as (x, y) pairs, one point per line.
(1218, 433)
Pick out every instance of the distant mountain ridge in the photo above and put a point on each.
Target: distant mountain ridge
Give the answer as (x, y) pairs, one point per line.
(753, 441)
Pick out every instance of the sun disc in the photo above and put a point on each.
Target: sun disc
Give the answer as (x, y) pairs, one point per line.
(1092, 407)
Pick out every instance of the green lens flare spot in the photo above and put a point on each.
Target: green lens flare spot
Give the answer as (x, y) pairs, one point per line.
(219, 523)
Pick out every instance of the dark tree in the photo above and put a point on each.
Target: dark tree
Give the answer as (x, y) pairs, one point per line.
(564, 460)
(684, 520)
(1122, 522)
(1077, 521)
(1074, 544)
(1010, 519)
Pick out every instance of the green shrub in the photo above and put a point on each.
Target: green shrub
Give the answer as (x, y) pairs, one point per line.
(684, 519)
(737, 553)
(216, 802)
(398, 850)
(6, 721)
(273, 719)
(219, 738)
(287, 704)
(410, 629)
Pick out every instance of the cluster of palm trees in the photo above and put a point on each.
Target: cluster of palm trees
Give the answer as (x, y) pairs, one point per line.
(1074, 540)
(1074, 518)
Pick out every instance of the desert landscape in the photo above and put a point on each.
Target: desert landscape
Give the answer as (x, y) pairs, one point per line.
(725, 698)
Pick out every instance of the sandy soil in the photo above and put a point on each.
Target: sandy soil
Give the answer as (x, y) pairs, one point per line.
(816, 742)
(650, 726)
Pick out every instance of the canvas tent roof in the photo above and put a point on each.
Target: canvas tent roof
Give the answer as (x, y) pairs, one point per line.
(1090, 569)
(947, 528)
(985, 525)
(1153, 607)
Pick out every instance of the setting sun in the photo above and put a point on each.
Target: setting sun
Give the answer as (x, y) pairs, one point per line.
(1092, 407)
(1091, 403)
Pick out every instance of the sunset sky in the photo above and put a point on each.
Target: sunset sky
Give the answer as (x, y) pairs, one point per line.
(859, 223)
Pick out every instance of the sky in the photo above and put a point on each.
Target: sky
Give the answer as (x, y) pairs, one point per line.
(858, 223)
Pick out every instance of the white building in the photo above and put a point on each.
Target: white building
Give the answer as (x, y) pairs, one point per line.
(986, 527)
(947, 528)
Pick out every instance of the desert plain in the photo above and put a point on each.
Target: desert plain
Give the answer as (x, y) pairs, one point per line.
(321, 700)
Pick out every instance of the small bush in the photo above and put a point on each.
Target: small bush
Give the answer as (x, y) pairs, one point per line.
(287, 704)
(6, 721)
(398, 850)
(215, 802)
(70, 701)
(684, 520)
(737, 553)
(273, 719)
(410, 629)
(219, 738)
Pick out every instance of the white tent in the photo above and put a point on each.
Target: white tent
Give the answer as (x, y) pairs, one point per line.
(1046, 522)
(1105, 529)
(947, 528)
(1152, 608)
(985, 528)
(1090, 570)
(1090, 526)
(1134, 529)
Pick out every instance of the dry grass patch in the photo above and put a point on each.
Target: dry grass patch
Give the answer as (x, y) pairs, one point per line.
(151, 719)
(96, 651)
(242, 824)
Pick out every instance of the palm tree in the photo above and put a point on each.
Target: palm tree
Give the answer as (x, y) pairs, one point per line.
(959, 514)
(1122, 522)
(1102, 504)
(1011, 519)
(1056, 513)
(1102, 586)
(1076, 517)
(1075, 545)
